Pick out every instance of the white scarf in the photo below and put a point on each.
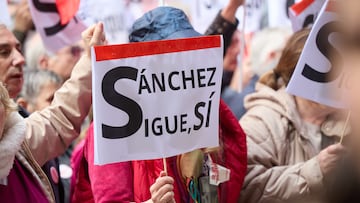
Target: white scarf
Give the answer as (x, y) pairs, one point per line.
(10, 143)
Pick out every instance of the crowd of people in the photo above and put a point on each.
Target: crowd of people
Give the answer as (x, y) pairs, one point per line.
(277, 146)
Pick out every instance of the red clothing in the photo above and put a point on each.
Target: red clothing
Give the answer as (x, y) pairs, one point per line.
(21, 187)
(131, 181)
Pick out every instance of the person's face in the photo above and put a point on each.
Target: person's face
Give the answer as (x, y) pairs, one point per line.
(350, 45)
(11, 62)
(352, 68)
(64, 61)
(230, 59)
(45, 97)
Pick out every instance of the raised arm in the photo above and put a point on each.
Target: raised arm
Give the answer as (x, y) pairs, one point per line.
(225, 23)
(50, 131)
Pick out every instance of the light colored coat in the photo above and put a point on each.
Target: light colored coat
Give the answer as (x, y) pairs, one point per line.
(282, 149)
(49, 132)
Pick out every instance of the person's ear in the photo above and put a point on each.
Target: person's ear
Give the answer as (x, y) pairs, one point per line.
(43, 62)
(273, 55)
(22, 102)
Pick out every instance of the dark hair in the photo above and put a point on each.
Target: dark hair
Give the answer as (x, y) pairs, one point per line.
(287, 62)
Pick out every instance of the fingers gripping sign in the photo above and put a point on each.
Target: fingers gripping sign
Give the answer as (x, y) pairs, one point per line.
(329, 157)
(93, 36)
(162, 190)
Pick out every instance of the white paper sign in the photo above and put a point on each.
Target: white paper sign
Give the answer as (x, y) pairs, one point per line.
(47, 22)
(117, 16)
(315, 76)
(304, 13)
(255, 15)
(4, 13)
(156, 99)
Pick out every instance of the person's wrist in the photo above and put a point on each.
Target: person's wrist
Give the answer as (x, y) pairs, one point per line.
(19, 28)
(20, 35)
(228, 13)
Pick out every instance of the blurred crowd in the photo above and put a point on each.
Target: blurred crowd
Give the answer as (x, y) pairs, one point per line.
(278, 147)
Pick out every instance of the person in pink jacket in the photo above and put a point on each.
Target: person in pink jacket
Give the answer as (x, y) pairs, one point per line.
(130, 181)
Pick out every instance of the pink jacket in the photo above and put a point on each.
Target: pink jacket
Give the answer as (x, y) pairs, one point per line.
(130, 181)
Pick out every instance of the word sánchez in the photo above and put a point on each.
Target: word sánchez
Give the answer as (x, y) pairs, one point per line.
(155, 83)
(176, 80)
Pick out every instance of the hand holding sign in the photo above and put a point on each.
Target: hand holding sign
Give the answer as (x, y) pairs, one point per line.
(328, 158)
(22, 19)
(93, 36)
(162, 189)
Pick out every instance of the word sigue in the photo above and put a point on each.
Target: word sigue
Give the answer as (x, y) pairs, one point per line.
(178, 123)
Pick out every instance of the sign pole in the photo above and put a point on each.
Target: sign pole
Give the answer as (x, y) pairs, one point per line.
(165, 166)
(345, 127)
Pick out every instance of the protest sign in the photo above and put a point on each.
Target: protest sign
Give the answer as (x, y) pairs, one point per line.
(156, 99)
(117, 16)
(316, 77)
(67, 9)
(304, 13)
(47, 22)
(4, 13)
(255, 14)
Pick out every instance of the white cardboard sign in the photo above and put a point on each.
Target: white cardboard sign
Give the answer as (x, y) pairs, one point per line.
(4, 13)
(47, 22)
(117, 16)
(315, 77)
(156, 99)
(304, 13)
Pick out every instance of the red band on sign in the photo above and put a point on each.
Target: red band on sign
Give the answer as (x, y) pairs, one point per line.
(155, 47)
(331, 6)
(301, 6)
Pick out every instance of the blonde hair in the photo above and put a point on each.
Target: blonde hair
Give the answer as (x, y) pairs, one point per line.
(283, 71)
(263, 44)
(5, 100)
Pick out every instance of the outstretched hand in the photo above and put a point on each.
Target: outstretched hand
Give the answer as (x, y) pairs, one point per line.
(230, 10)
(93, 36)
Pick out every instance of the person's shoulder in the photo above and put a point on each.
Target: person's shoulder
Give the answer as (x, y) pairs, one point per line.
(266, 99)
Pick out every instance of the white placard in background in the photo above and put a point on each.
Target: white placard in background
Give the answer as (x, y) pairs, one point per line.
(47, 22)
(316, 78)
(4, 14)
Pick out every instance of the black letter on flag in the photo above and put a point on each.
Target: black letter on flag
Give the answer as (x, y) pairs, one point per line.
(50, 8)
(121, 102)
(324, 46)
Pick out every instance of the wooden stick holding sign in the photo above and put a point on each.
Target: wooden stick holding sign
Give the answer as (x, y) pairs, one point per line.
(165, 166)
(345, 127)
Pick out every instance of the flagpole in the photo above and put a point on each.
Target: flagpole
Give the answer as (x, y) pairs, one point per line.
(241, 56)
(345, 127)
(165, 166)
(161, 2)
